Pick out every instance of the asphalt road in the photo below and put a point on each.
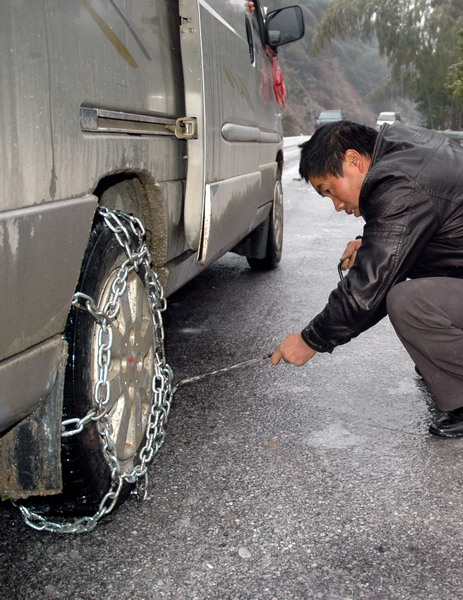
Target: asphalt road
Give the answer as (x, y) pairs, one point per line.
(275, 483)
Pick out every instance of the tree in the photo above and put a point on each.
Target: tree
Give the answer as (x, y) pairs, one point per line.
(418, 37)
(342, 76)
(455, 75)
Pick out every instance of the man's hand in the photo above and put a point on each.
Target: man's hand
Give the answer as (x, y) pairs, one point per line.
(293, 350)
(350, 254)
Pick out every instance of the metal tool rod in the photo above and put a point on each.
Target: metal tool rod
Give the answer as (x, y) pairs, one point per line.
(217, 371)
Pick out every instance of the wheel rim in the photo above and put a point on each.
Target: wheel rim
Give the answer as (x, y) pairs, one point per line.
(131, 371)
(278, 214)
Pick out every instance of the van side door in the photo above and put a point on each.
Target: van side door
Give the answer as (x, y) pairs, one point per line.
(231, 159)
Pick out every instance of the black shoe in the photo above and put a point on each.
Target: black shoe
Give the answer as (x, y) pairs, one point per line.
(449, 424)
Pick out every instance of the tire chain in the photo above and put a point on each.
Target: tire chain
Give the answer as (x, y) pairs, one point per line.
(130, 234)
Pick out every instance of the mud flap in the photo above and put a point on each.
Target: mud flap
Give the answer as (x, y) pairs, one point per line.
(254, 244)
(30, 452)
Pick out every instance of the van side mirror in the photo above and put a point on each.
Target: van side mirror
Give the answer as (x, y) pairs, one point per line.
(284, 25)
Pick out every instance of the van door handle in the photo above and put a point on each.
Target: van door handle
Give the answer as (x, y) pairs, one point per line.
(185, 128)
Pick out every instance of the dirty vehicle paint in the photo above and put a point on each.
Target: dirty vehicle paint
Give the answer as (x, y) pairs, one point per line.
(152, 108)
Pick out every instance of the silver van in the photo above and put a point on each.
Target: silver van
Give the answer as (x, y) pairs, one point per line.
(388, 116)
(140, 141)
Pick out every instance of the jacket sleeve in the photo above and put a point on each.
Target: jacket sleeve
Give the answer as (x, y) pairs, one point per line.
(400, 221)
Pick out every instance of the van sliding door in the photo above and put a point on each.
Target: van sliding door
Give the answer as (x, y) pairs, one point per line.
(232, 159)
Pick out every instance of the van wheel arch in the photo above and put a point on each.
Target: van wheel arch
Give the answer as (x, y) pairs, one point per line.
(140, 195)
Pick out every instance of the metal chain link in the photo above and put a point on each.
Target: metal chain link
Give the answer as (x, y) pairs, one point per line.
(130, 234)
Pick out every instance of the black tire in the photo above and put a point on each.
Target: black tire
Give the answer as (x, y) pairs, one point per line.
(86, 472)
(275, 232)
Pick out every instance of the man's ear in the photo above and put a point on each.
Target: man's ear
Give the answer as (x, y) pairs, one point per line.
(355, 159)
(352, 157)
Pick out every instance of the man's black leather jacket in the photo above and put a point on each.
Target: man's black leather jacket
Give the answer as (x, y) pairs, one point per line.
(412, 203)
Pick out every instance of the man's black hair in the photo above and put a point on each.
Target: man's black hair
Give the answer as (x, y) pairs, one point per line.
(323, 153)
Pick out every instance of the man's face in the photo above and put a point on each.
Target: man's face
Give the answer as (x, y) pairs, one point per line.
(344, 191)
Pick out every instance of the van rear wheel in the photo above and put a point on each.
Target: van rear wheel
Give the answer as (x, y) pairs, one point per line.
(275, 232)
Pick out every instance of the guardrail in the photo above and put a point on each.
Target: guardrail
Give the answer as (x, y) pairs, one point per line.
(453, 135)
(293, 141)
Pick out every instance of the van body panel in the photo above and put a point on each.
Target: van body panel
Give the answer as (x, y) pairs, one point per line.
(238, 127)
(120, 56)
(27, 378)
(42, 248)
(25, 143)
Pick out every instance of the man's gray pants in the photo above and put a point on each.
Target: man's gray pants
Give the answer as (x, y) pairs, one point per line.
(427, 315)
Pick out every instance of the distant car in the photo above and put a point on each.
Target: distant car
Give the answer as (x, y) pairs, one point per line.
(328, 116)
(387, 117)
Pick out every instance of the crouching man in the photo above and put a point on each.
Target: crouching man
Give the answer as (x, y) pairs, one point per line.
(407, 184)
